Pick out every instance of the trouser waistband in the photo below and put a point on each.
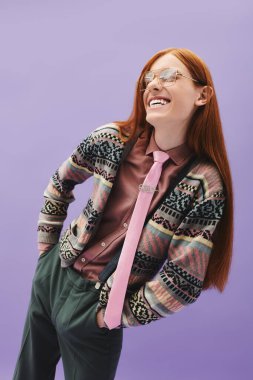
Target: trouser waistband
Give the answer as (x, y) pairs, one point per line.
(80, 281)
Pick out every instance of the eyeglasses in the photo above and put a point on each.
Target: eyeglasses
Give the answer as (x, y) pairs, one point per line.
(167, 77)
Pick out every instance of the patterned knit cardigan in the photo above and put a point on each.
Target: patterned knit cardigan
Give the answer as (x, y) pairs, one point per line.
(175, 245)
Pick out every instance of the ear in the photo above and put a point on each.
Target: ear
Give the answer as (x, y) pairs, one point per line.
(204, 96)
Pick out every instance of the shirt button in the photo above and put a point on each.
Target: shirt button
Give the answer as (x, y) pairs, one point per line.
(83, 259)
(103, 243)
(125, 224)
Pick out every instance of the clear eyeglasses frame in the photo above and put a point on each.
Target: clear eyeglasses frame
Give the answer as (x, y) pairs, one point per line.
(166, 77)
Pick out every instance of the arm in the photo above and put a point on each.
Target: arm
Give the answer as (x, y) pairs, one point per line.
(180, 281)
(77, 168)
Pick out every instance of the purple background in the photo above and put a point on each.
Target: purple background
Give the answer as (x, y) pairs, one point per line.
(68, 67)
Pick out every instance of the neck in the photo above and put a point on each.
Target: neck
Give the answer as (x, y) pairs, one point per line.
(167, 139)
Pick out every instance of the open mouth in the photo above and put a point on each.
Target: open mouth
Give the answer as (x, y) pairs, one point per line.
(158, 103)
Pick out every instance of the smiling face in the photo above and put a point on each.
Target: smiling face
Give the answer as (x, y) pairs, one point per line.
(184, 97)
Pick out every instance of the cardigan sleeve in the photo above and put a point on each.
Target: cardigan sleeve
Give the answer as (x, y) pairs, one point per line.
(77, 168)
(179, 282)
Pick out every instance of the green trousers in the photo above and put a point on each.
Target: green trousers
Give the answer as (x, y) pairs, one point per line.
(61, 322)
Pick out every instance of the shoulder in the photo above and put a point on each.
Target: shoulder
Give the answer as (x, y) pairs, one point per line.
(208, 179)
(108, 131)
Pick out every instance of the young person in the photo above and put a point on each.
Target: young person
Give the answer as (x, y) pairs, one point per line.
(185, 245)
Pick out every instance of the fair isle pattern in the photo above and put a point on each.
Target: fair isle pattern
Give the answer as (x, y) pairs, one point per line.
(175, 245)
(144, 264)
(180, 281)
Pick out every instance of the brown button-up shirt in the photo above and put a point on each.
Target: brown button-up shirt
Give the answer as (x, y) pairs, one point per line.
(118, 210)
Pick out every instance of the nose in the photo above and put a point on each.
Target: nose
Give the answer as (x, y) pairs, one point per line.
(154, 84)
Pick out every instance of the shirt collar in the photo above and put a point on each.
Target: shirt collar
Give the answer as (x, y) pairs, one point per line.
(178, 154)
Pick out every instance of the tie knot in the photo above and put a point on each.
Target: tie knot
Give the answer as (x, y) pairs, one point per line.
(160, 156)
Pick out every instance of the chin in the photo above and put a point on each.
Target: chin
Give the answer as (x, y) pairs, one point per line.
(155, 119)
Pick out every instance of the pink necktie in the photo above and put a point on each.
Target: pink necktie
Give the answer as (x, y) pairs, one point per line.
(112, 316)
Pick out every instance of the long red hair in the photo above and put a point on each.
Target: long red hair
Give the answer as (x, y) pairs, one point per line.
(205, 137)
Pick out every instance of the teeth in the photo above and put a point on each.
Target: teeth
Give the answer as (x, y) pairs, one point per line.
(155, 102)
